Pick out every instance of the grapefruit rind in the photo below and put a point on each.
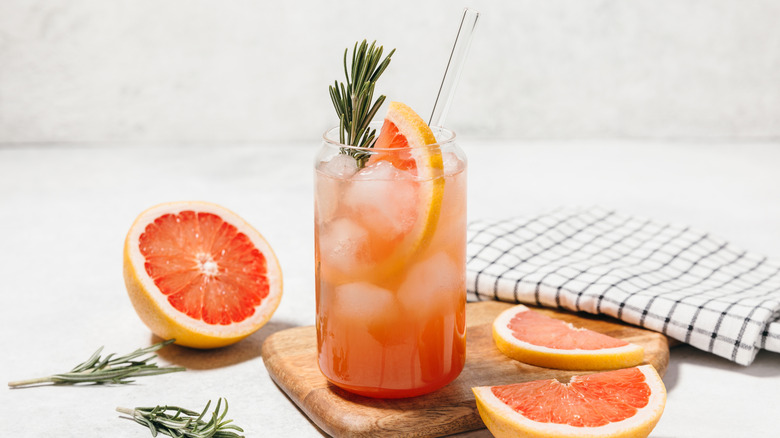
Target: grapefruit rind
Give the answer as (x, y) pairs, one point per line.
(166, 321)
(576, 359)
(503, 421)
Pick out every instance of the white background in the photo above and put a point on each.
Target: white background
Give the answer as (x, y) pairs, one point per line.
(258, 71)
(667, 109)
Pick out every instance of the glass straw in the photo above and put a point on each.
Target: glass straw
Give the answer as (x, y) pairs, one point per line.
(454, 67)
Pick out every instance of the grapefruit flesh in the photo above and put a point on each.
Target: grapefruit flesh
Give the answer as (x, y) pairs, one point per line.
(205, 266)
(621, 403)
(541, 330)
(199, 273)
(390, 137)
(537, 339)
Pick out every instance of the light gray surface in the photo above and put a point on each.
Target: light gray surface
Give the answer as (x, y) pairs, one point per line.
(246, 70)
(64, 213)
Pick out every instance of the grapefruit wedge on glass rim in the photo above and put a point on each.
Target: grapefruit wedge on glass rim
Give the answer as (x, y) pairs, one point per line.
(197, 272)
(537, 339)
(408, 143)
(622, 403)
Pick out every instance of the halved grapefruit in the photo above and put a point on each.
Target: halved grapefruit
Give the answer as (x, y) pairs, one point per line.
(620, 403)
(199, 273)
(536, 339)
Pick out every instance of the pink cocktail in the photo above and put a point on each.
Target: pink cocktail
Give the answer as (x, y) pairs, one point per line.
(390, 241)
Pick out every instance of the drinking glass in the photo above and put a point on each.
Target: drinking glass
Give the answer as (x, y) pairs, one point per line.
(390, 259)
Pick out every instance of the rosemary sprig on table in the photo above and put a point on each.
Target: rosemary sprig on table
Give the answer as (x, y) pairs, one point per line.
(108, 370)
(353, 100)
(179, 422)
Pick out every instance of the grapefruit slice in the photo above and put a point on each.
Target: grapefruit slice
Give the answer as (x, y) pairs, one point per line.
(620, 403)
(199, 273)
(533, 338)
(404, 141)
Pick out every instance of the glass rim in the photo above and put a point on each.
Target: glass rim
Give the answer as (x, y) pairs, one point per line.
(449, 137)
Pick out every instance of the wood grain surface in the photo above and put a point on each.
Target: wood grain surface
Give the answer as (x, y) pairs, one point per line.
(291, 359)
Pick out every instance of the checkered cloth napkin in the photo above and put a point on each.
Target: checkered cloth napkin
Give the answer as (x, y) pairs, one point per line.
(673, 279)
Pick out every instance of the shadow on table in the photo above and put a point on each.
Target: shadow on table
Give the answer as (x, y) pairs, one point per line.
(292, 402)
(246, 349)
(766, 364)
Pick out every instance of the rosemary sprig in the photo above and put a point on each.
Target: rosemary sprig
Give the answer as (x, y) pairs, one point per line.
(108, 370)
(353, 100)
(179, 422)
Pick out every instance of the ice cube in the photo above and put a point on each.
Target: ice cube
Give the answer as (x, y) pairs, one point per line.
(341, 166)
(367, 309)
(385, 198)
(363, 303)
(452, 163)
(343, 244)
(382, 170)
(328, 191)
(435, 285)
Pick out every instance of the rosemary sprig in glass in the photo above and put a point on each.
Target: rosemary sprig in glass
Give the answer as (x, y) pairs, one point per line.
(353, 100)
(108, 370)
(179, 422)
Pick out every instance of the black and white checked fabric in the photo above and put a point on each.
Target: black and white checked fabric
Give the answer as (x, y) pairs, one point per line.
(673, 279)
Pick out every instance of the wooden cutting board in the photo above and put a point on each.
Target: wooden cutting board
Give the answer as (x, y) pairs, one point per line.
(291, 358)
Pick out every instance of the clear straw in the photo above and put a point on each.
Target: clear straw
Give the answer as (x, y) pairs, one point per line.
(454, 67)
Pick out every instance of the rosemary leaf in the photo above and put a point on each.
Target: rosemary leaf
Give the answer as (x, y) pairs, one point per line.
(175, 421)
(108, 370)
(353, 100)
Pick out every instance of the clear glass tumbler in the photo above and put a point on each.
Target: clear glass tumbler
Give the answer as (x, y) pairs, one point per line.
(390, 259)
